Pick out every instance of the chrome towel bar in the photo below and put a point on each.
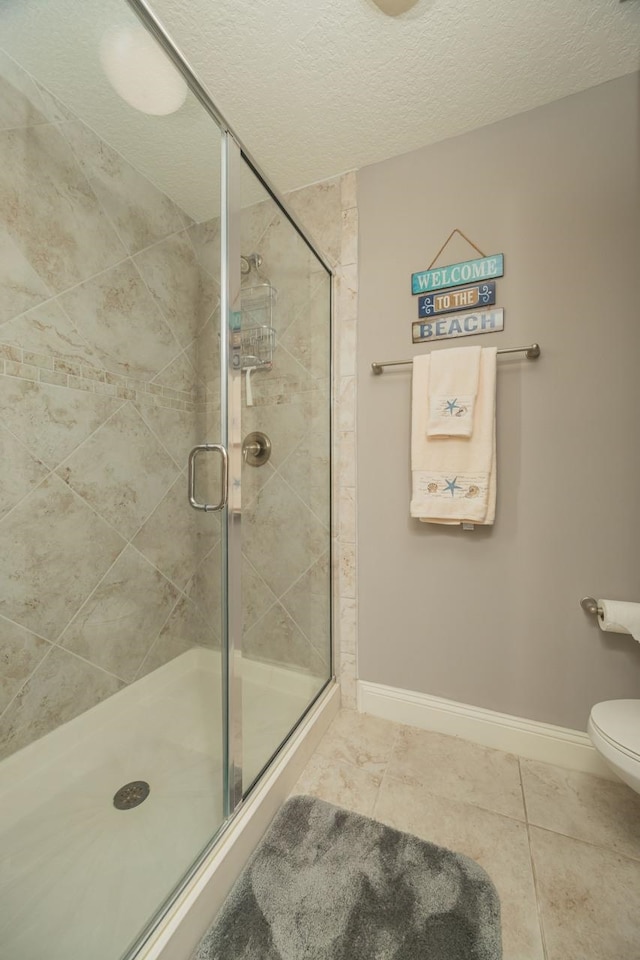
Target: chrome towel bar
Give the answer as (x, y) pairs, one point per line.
(532, 352)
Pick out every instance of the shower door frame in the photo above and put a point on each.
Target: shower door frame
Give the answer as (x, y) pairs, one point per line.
(233, 156)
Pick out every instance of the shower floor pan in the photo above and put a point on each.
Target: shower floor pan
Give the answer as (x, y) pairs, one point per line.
(80, 878)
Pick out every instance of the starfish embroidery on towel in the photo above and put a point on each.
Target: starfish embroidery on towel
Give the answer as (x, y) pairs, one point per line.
(451, 405)
(452, 486)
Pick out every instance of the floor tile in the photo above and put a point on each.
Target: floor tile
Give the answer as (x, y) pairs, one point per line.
(497, 843)
(582, 806)
(459, 770)
(340, 783)
(366, 742)
(589, 897)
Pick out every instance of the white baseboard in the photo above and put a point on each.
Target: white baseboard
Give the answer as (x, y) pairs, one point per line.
(526, 738)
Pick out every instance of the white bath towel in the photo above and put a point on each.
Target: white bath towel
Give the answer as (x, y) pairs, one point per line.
(454, 479)
(453, 387)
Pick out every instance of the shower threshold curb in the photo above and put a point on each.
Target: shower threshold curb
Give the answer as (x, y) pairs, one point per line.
(178, 934)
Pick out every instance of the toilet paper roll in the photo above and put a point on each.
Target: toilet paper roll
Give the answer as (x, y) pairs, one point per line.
(620, 616)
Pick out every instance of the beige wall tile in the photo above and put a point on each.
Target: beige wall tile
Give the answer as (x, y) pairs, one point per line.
(346, 458)
(257, 598)
(347, 570)
(347, 349)
(61, 687)
(116, 314)
(175, 429)
(175, 537)
(348, 190)
(58, 225)
(347, 404)
(118, 623)
(348, 676)
(56, 549)
(308, 603)
(282, 537)
(24, 474)
(20, 101)
(47, 330)
(139, 212)
(347, 292)
(51, 421)
(349, 252)
(184, 292)
(347, 513)
(275, 638)
(122, 471)
(319, 208)
(20, 653)
(184, 629)
(348, 625)
(204, 590)
(307, 337)
(21, 286)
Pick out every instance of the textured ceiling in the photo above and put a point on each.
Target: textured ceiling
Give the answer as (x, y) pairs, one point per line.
(318, 87)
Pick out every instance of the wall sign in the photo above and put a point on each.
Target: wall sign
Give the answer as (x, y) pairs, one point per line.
(459, 325)
(458, 274)
(483, 295)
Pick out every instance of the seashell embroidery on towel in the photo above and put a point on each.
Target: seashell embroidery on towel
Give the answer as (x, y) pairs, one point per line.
(432, 488)
(473, 491)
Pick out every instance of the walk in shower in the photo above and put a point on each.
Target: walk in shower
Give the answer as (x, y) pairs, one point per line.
(165, 391)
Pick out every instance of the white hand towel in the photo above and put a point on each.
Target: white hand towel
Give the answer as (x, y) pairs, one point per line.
(454, 479)
(453, 387)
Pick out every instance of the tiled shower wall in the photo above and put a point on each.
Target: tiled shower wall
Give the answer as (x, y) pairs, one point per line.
(103, 305)
(329, 211)
(108, 375)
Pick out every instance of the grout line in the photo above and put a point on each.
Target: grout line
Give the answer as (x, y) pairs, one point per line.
(378, 792)
(156, 300)
(264, 582)
(90, 436)
(28, 677)
(74, 616)
(96, 666)
(325, 526)
(23, 685)
(533, 866)
(181, 466)
(607, 848)
(154, 642)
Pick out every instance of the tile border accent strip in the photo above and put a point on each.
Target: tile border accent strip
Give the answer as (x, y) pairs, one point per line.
(526, 738)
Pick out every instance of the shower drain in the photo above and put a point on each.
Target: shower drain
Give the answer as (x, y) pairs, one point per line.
(131, 795)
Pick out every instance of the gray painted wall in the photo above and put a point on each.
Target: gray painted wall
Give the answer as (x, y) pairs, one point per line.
(491, 618)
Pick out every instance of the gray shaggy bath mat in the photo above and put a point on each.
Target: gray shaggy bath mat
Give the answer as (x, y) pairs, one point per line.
(326, 884)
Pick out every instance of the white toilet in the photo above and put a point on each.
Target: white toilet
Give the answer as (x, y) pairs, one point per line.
(614, 728)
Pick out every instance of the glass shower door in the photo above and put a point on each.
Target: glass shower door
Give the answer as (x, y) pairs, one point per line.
(111, 585)
(280, 436)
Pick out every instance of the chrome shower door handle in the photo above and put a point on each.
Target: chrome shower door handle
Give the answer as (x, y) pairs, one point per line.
(224, 476)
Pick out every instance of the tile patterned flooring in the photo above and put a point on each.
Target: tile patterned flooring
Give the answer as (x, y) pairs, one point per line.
(563, 848)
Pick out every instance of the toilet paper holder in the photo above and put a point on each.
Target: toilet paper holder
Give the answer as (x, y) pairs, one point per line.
(589, 605)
